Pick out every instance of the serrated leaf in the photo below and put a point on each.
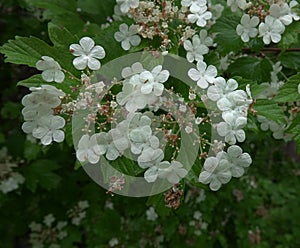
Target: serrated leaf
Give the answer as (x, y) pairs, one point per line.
(255, 88)
(251, 68)
(290, 60)
(270, 110)
(60, 36)
(28, 50)
(290, 35)
(41, 173)
(227, 39)
(288, 92)
(34, 81)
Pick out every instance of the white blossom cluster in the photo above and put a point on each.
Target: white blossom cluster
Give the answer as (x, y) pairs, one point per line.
(10, 180)
(199, 13)
(141, 88)
(234, 104)
(78, 212)
(47, 234)
(279, 15)
(38, 114)
(197, 223)
(220, 169)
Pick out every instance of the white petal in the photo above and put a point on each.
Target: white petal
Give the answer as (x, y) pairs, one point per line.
(97, 52)
(81, 62)
(87, 44)
(93, 64)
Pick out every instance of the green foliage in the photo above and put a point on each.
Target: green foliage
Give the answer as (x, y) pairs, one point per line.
(269, 109)
(253, 68)
(227, 38)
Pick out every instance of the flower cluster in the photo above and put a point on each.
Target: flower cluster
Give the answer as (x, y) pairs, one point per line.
(47, 233)
(9, 179)
(78, 212)
(267, 20)
(39, 117)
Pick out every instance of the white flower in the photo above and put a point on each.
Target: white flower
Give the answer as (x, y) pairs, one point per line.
(231, 129)
(173, 172)
(127, 4)
(221, 88)
(107, 145)
(131, 95)
(128, 37)
(271, 30)
(299, 88)
(48, 220)
(88, 149)
(151, 214)
(292, 12)
(195, 49)
(153, 81)
(51, 70)
(48, 129)
(214, 173)
(150, 157)
(201, 17)
(235, 4)
(205, 39)
(135, 68)
(203, 75)
(87, 54)
(195, 5)
(247, 29)
(12, 182)
(236, 160)
(282, 13)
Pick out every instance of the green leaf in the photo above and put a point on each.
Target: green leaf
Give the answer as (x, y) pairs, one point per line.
(290, 60)
(41, 173)
(34, 81)
(270, 110)
(289, 91)
(149, 60)
(255, 88)
(31, 151)
(60, 36)
(158, 201)
(290, 35)
(251, 68)
(227, 39)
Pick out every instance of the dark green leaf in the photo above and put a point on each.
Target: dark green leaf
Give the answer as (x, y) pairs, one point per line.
(227, 39)
(251, 68)
(290, 60)
(290, 35)
(41, 172)
(269, 109)
(289, 91)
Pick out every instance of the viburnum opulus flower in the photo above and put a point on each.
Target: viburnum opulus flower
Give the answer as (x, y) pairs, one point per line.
(87, 54)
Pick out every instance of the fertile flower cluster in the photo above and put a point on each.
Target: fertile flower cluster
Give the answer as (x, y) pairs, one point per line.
(141, 88)
(39, 117)
(220, 169)
(47, 233)
(9, 179)
(271, 17)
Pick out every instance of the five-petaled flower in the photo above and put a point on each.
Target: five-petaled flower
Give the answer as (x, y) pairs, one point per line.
(87, 54)
(128, 36)
(51, 70)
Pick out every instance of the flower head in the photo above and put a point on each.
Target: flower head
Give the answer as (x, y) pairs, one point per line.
(195, 49)
(87, 54)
